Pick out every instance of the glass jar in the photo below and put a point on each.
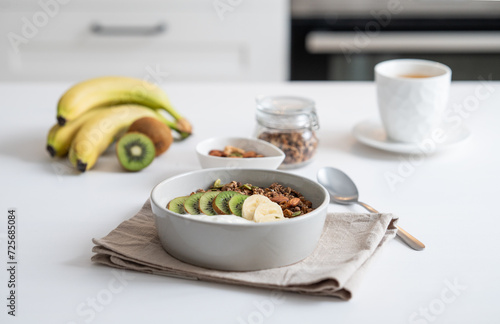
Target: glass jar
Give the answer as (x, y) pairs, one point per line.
(290, 124)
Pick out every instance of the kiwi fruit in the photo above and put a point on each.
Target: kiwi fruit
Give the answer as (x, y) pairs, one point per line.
(135, 151)
(206, 203)
(177, 205)
(158, 132)
(192, 203)
(221, 202)
(236, 204)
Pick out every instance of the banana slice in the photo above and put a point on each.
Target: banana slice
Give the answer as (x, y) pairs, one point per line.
(250, 204)
(268, 212)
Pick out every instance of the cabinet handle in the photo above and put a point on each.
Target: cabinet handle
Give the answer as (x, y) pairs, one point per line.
(325, 42)
(101, 30)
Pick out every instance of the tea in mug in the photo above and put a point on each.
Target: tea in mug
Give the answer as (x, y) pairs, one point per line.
(415, 76)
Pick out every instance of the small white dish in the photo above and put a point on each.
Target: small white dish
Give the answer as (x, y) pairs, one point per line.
(272, 159)
(371, 132)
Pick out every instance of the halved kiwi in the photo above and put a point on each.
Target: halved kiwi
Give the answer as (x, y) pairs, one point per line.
(206, 201)
(236, 204)
(135, 151)
(192, 203)
(157, 131)
(177, 205)
(221, 202)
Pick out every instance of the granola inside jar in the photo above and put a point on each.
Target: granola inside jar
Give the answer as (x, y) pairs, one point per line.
(289, 123)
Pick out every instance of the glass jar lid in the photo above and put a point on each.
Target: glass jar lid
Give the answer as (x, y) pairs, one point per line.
(286, 112)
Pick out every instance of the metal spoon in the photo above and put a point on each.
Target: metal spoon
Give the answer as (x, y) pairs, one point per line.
(343, 191)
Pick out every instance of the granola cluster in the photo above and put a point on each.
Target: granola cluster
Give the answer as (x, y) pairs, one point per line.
(298, 146)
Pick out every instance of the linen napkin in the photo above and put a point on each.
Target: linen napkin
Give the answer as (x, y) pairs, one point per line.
(347, 245)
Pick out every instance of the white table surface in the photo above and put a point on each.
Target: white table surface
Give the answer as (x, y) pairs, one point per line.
(448, 202)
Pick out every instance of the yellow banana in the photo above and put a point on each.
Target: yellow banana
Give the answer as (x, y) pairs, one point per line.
(60, 137)
(101, 130)
(268, 212)
(112, 90)
(250, 205)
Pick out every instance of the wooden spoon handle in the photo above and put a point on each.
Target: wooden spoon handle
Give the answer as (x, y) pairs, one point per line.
(406, 237)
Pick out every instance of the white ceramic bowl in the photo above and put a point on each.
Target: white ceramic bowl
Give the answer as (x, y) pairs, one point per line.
(272, 159)
(238, 246)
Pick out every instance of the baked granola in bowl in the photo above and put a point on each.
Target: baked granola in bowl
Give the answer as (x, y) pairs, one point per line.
(228, 242)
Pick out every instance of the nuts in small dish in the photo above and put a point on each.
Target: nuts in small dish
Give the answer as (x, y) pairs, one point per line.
(234, 152)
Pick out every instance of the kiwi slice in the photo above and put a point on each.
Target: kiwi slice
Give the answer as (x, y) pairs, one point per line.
(192, 203)
(177, 205)
(206, 203)
(135, 151)
(221, 202)
(236, 204)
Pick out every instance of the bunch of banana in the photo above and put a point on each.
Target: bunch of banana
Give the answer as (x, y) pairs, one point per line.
(93, 113)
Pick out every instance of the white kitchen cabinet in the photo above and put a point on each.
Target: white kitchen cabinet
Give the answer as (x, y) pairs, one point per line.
(172, 40)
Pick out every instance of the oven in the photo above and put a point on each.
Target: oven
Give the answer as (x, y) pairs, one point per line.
(345, 39)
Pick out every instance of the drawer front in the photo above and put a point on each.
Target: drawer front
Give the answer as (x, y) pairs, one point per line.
(185, 45)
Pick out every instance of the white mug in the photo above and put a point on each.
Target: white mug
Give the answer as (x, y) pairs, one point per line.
(412, 97)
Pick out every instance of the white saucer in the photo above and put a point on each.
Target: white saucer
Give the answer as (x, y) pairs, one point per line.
(372, 133)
